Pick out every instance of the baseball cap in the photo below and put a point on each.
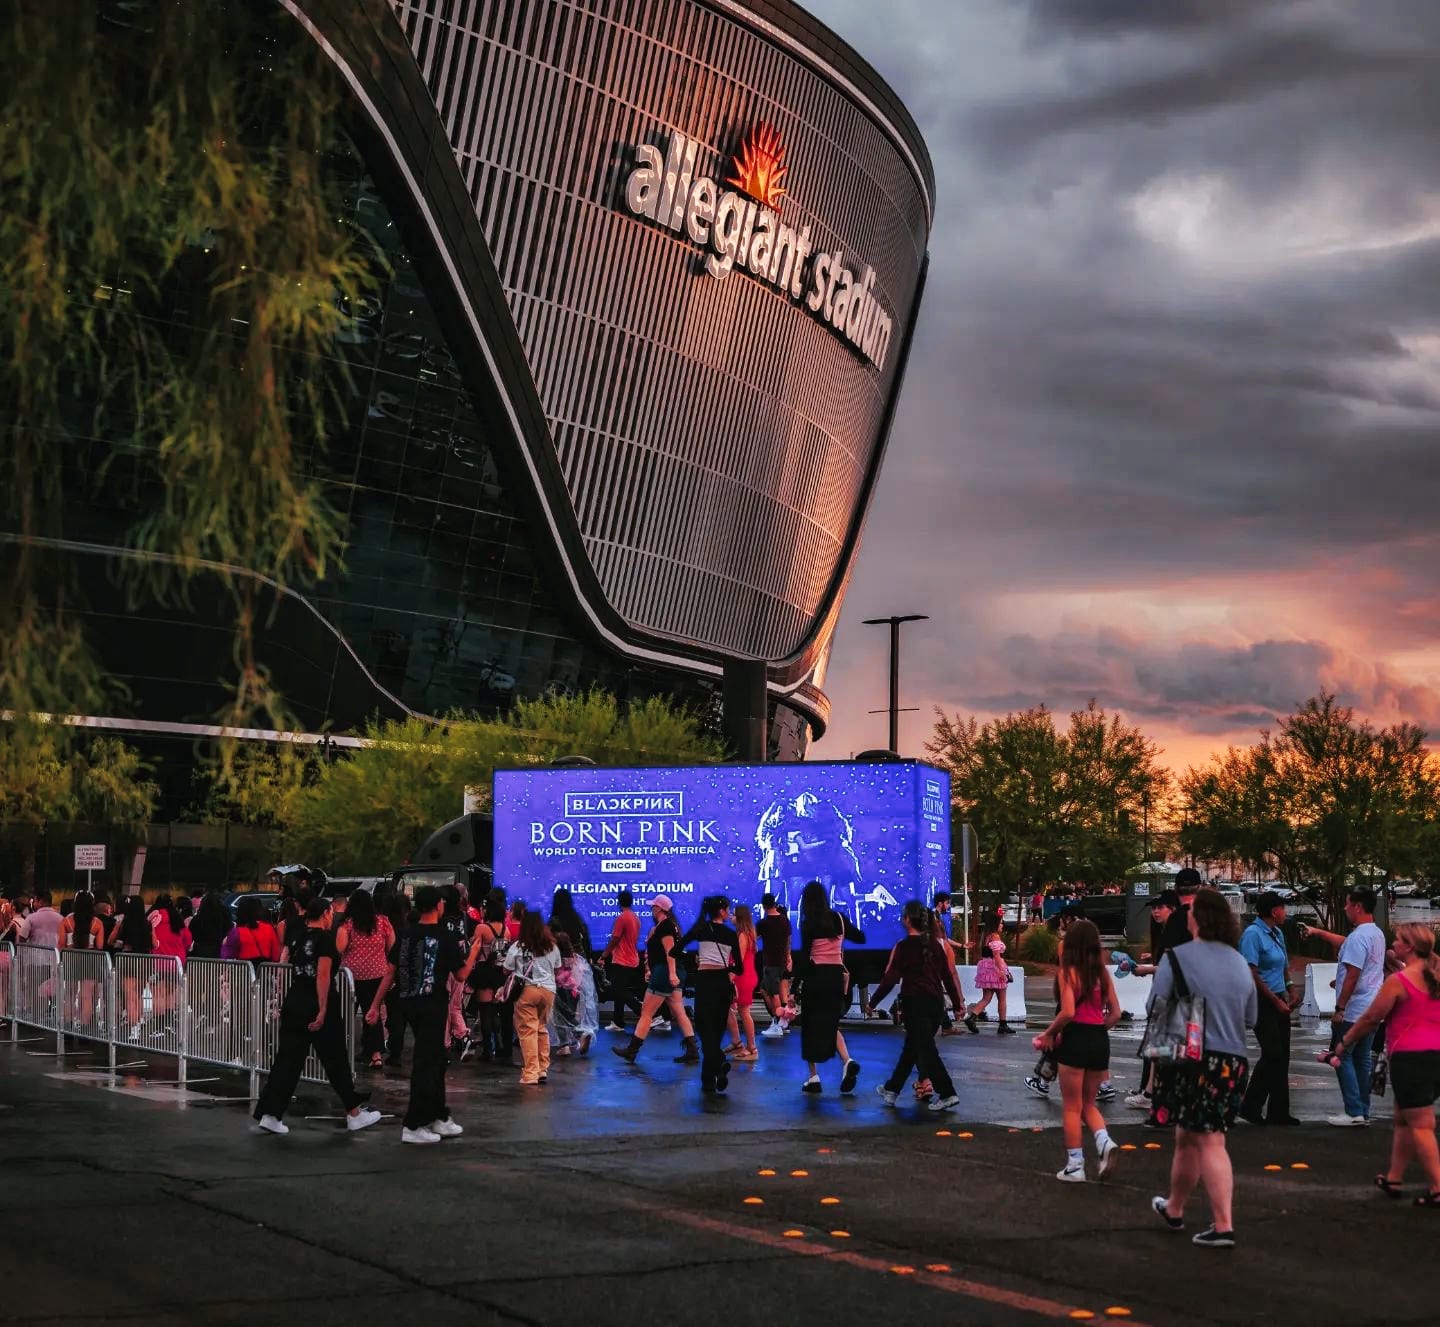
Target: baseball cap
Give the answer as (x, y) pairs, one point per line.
(1187, 880)
(1166, 898)
(662, 901)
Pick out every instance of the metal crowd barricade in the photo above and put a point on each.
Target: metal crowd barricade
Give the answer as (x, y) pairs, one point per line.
(220, 1012)
(7, 988)
(150, 1004)
(87, 984)
(36, 990)
(272, 983)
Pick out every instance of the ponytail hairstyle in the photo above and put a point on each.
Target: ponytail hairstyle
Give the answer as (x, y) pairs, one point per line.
(1421, 940)
(82, 916)
(919, 918)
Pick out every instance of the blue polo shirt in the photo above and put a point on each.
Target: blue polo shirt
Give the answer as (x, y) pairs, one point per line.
(1263, 947)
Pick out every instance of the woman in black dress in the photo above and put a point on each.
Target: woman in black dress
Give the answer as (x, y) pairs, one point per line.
(824, 985)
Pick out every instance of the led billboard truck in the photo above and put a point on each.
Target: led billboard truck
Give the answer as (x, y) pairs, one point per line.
(875, 835)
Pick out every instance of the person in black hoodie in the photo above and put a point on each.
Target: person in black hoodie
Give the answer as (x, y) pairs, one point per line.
(718, 960)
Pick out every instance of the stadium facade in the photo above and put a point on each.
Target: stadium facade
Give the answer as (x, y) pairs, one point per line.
(655, 267)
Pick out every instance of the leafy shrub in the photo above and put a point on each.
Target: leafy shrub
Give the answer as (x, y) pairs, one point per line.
(1040, 944)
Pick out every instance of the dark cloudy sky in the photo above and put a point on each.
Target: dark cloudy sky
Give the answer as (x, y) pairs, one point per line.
(1169, 437)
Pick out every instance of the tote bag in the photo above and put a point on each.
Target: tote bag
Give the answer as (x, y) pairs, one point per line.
(1175, 1032)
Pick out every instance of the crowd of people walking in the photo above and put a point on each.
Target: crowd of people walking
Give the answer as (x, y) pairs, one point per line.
(485, 978)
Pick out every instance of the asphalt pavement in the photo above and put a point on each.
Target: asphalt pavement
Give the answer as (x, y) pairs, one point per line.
(622, 1195)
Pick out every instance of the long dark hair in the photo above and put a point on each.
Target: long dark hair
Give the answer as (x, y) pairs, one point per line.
(916, 915)
(1080, 954)
(495, 905)
(211, 922)
(361, 912)
(534, 934)
(164, 903)
(249, 911)
(82, 915)
(818, 920)
(134, 932)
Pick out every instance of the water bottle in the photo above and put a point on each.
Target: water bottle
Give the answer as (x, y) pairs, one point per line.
(1194, 1040)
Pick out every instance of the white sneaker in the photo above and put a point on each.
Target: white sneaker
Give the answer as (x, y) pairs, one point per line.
(774, 1030)
(1109, 1155)
(1347, 1121)
(944, 1103)
(445, 1128)
(886, 1095)
(271, 1125)
(1069, 1176)
(366, 1117)
(660, 1025)
(1138, 1101)
(613, 1027)
(418, 1136)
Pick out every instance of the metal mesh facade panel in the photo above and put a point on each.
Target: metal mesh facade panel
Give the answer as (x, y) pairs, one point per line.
(714, 437)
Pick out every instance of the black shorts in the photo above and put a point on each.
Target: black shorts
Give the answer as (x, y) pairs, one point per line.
(770, 979)
(1415, 1076)
(1084, 1046)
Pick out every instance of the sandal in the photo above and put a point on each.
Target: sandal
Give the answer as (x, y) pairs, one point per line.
(1390, 1188)
(1431, 1199)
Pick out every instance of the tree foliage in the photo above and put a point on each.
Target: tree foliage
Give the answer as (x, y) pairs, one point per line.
(369, 809)
(1050, 804)
(174, 268)
(1325, 800)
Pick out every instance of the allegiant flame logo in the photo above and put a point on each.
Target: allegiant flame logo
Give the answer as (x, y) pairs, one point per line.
(760, 168)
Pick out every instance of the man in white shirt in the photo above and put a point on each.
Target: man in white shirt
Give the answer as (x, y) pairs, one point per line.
(1358, 982)
(42, 927)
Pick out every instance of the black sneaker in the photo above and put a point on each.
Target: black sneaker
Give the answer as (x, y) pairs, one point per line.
(1038, 1086)
(852, 1072)
(1214, 1239)
(1158, 1205)
(972, 1025)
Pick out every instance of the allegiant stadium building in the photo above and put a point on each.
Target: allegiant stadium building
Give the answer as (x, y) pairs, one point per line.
(654, 273)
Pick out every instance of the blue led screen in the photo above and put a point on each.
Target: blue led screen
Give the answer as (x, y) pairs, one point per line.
(874, 835)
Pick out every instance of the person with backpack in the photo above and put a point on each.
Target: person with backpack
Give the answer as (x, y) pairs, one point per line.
(921, 965)
(421, 962)
(310, 1017)
(717, 961)
(533, 959)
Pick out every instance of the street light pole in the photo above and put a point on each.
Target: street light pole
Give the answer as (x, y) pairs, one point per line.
(894, 624)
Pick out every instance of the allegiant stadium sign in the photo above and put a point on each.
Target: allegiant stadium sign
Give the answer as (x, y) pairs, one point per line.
(741, 228)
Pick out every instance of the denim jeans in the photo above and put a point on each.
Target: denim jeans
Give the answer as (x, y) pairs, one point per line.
(1354, 1072)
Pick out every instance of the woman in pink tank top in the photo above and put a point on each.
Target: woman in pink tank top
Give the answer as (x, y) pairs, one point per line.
(1409, 1006)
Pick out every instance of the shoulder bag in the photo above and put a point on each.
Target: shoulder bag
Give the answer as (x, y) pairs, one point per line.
(1175, 1031)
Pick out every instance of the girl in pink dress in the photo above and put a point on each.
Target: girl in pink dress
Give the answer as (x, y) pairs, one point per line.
(992, 976)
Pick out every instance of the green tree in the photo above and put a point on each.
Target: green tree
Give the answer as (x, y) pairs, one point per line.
(49, 777)
(369, 809)
(1324, 801)
(1047, 804)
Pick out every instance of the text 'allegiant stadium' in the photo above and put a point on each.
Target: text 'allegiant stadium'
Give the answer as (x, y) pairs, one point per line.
(742, 232)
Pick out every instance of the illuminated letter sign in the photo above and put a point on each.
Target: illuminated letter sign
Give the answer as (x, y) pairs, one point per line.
(741, 228)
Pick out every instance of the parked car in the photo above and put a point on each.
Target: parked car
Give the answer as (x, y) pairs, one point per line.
(270, 897)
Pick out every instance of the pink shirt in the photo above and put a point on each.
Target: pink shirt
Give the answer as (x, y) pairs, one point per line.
(828, 951)
(172, 943)
(1091, 1010)
(1414, 1023)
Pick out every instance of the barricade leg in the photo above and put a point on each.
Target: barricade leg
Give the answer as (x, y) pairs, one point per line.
(182, 1005)
(60, 997)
